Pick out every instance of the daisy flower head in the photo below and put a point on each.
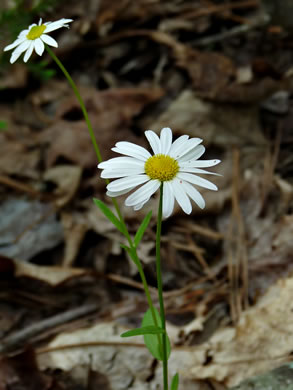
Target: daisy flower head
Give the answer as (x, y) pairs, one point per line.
(175, 164)
(34, 38)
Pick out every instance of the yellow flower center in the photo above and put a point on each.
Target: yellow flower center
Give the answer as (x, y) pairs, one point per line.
(161, 167)
(35, 32)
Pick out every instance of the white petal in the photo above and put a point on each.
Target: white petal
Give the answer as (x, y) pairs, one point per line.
(143, 193)
(49, 40)
(154, 141)
(166, 140)
(199, 163)
(168, 200)
(23, 33)
(127, 182)
(198, 170)
(193, 154)
(29, 52)
(140, 205)
(133, 150)
(114, 194)
(194, 194)
(23, 46)
(177, 144)
(180, 195)
(120, 172)
(121, 162)
(199, 181)
(185, 149)
(51, 26)
(39, 46)
(17, 42)
(14, 56)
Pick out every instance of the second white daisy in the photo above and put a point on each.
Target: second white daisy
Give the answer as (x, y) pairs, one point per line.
(173, 164)
(34, 38)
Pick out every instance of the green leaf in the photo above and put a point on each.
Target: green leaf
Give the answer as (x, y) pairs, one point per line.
(175, 382)
(142, 228)
(3, 125)
(109, 214)
(154, 342)
(131, 252)
(143, 331)
(126, 248)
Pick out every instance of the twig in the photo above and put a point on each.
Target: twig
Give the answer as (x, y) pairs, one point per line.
(260, 21)
(23, 335)
(216, 8)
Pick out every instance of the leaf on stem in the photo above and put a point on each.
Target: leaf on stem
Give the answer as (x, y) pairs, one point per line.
(143, 331)
(175, 382)
(154, 342)
(142, 228)
(109, 214)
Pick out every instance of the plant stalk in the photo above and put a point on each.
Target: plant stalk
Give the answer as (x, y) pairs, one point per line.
(160, 288)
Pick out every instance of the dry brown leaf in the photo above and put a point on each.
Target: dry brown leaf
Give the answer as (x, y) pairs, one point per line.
(16, 158)
(260, 342)
(67, 180)
(52, 275)
(21, 371)
(101, 348)
(215, 123)
(111, 113)
(75, 229)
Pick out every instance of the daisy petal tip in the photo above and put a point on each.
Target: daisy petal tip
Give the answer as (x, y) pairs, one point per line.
(166, 129)
(149, 132)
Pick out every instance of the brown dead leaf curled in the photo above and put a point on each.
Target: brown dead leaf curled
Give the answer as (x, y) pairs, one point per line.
(67, 179)
(75, 228)
(111, 113)
(260, 342)
(101, 348)
(52, 275)
(212, 122)
(16, 158)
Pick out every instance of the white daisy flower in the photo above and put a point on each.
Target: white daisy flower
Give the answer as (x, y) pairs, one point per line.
(34, 38)
(173, 164)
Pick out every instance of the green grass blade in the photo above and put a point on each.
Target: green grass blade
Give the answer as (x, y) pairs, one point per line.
(175, 382)
(142, 228)
(109, 214)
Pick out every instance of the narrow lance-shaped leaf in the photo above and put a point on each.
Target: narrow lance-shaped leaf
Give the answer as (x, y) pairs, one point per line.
(142, 331)
(175, 382)
(142, 228)
(109, 214)
(131, 253)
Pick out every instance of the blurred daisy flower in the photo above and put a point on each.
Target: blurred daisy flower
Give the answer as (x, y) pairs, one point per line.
(34, 38)
(173, 164)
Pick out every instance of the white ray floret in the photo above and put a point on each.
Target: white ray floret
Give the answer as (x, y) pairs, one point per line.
(35, 38)
(175, 164)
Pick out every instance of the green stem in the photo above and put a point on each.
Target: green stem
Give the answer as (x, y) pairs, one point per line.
(80, 101)
(86, 117)
(160, 288)
(99, 157)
